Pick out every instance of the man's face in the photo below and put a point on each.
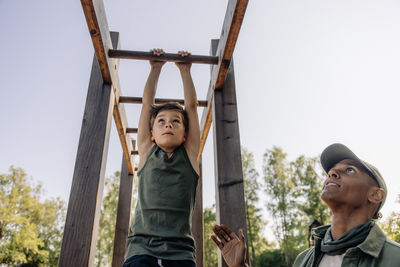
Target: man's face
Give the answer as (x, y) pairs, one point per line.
(168, 130)
(347, 185)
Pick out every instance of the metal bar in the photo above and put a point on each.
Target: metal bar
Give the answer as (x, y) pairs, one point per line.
(141, 55)
(138, 100)
(131, 130)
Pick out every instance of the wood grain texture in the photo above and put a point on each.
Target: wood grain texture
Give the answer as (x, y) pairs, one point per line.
(79, 240)
(229, 190)
(198, 222)
(168, 57)
(230, 32)
(102, 42)
(98, 28)
(123, 215)
(119, 109)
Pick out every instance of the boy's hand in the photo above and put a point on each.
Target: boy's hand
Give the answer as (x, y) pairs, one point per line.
(156, 63)
(233, 248)
(181, 65)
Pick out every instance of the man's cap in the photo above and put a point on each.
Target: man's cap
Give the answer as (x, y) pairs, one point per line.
(338, 152)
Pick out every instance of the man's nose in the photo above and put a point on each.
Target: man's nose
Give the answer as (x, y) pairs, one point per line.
(333, 174)
(168, 124)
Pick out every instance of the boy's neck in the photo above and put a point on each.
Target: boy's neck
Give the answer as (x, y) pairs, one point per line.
(168, 150)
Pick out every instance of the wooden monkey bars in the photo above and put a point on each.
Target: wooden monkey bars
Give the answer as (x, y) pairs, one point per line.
(105, 97)
(107, 56)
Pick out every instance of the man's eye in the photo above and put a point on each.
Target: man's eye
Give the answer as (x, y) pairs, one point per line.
(176, 121)
(350, 170)
(161, 120)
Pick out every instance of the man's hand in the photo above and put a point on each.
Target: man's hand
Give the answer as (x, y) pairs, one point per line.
(181, 65)
(233, 248)
(157, 63)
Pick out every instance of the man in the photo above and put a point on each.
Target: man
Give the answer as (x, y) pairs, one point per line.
(354, 192)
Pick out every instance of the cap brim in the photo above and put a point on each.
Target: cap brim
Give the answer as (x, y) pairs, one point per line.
(334, 154)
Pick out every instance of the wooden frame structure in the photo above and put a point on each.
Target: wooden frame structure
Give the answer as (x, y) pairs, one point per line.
(105, 98)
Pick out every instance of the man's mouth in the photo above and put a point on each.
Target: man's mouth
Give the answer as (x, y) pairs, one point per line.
(168, 133)
(330, 183)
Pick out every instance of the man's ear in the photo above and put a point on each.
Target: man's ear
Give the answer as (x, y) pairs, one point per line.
(151, 136)
(376, 195)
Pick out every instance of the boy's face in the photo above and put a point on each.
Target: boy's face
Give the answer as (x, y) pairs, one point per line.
(168, 129)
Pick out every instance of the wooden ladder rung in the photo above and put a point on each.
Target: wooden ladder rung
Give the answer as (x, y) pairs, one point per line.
(134, 152)
(141, 55)
(138, 100)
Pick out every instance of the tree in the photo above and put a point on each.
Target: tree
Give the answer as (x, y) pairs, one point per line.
(294, 189)
(309, 188)
(271, 258)
(391, 225)
(30, 228)
(280, 187)
(254, 221)
(108, 217)
(308, 180)
(210, 249)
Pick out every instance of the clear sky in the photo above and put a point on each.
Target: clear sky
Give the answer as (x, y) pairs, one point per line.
(308, 74)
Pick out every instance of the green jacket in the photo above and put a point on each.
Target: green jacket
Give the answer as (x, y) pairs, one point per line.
(376, 250)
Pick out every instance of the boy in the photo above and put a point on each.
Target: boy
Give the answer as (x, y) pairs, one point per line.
(168, 144)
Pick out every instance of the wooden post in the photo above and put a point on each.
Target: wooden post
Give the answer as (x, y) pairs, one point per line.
(230, 204)
(123, 215)
(80, 233)
(198, 223)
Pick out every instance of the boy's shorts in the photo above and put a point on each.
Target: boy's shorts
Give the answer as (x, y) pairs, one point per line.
(149, 261)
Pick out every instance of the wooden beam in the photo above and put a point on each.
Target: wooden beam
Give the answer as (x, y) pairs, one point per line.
(123, 214)
(119, 110)
(98, 27)
(198, 222)
(168, 57)
(102, 42)
(80, 232)
(138, 100)
(229, 187)
(230, 31)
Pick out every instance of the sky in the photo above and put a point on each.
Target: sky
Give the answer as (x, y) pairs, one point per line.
(308, 74)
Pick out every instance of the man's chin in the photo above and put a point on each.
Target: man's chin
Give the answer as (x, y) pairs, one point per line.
(327, 196)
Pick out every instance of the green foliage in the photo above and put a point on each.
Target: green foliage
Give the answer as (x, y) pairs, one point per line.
(210, 249)
(294, 190)
(280, 187)
(391, 226)
(30, 229)
(270, 258)
(254, 221)
(309, 188)
(108, 217)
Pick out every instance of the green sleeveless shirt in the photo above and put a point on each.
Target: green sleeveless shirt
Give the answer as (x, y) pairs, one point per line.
(166, 193)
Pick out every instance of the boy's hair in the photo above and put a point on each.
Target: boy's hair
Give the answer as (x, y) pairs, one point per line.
(169, 106)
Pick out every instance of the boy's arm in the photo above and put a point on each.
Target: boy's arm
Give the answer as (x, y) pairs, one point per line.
(192, 143)
(144, 135)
